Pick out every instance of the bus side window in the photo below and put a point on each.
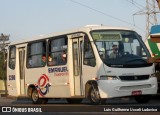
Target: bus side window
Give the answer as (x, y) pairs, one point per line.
(36, 54)
(57, 51)
(12, 57)
(89, 58)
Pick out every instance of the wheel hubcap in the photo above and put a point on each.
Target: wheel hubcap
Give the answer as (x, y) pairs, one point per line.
(35, 96)
(95, 95)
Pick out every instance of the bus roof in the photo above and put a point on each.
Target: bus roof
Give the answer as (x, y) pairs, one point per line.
(86, 28)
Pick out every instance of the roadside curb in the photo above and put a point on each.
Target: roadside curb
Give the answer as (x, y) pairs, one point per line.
(3, 95)
(17, 98)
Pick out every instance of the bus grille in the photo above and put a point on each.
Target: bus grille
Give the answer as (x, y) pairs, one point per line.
(137, 87)
(136, 77)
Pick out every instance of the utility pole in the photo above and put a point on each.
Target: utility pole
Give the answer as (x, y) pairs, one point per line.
(158, 1)
(150, 12)
(3, 44)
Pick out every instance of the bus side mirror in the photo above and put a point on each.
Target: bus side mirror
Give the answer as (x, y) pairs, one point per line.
(150, 60)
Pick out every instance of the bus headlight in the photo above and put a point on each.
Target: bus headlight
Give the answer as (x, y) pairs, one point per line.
(153, 75)
(105, 77)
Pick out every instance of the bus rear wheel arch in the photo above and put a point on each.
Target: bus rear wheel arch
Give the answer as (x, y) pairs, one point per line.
(30, 88)
(35, 97)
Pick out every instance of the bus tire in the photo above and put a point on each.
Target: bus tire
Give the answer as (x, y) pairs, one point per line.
(94, 96)
(74, 101)
(143, 98)
(35, 97)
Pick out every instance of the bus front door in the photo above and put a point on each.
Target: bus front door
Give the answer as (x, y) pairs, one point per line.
(22, 70)
(77, 65)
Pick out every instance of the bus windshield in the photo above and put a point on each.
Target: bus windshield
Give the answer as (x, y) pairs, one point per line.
(121, 48)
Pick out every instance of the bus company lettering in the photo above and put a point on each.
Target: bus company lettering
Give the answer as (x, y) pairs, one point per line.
(59, 71)
(61, 74)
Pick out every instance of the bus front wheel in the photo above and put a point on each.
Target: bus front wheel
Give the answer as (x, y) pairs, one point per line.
(143, 98)
(35, 97)
(94, 96)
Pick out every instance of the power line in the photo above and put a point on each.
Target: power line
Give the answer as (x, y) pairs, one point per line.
(150, 12)
(139, 6)
(108, 15)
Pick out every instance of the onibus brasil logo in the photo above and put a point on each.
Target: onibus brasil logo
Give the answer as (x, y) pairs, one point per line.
(43, 85)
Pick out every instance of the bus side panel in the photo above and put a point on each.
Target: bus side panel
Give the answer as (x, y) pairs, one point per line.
(50, 85)
(89, 73)
(12, 79)
(36, 77)
(59, 81)
(11, 83)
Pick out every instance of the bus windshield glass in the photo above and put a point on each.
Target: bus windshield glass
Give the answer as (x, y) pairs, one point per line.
(121, 48)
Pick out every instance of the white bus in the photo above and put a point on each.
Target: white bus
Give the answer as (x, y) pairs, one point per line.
(94, 62)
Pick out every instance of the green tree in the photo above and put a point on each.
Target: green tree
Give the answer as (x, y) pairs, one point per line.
(2, 67)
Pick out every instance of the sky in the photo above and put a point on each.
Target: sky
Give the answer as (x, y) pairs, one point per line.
(23, 19)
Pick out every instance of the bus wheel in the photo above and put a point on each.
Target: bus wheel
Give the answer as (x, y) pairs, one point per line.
(94, 96)
(74, 101)
(35, 98)
(143, 98)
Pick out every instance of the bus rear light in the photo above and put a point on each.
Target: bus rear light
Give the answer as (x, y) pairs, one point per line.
(153, 75)
(94, 78)
(27, 85)
(67, 83)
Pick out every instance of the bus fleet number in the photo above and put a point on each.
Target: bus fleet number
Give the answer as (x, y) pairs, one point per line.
(11, 77)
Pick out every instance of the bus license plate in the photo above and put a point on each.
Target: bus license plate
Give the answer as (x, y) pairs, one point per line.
(136, 93)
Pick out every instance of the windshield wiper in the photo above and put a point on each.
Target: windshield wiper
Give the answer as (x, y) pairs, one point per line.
(136, 59)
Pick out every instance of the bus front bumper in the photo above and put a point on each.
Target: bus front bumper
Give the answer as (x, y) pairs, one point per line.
(118, 88)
